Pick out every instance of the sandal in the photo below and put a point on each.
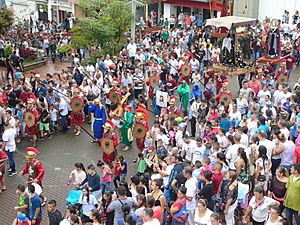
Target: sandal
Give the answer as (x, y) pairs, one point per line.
(44, 202)
(3, 189)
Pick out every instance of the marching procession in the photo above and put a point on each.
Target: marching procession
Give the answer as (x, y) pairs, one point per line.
(206, 154)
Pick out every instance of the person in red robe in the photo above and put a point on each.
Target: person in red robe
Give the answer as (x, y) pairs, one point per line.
(110, 134)
(35, 169)
(140, 119)
(281, 72)
(172, 108)
(31, 131)
(76, 114)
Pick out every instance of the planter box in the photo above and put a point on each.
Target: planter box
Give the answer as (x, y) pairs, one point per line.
(35, 65)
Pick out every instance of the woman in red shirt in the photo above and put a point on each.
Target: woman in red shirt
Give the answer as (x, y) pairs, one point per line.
(177, 206)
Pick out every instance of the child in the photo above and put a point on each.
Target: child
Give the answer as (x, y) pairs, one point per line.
(23, 202)
(142, 165)
(53, 118)
(44, 121)
(117, 173)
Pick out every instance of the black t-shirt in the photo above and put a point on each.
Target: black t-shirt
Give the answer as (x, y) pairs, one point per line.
(55, 218)
(11, 97)
(44, 114)
(207, 193)
(17, 92)
(180, 180)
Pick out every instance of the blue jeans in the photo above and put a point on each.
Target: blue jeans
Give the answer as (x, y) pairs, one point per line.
(290, 213)
(11, 161)
(64, 121)
(255, 55)
(289, 71)
(105, 187)
(167, 194)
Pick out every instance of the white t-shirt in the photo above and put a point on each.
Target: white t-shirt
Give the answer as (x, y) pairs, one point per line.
(188, 149)
(203, 220)
(131, 48)
(231, 154)
(153, 222)
(198, 153)
(191, 187)
(9, 137)
(260, 211)
(168, 171)
(269, 145)
(78, 177)
(53, 115)
(63, 106)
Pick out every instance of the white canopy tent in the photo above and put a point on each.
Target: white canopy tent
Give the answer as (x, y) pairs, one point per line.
(230, 22)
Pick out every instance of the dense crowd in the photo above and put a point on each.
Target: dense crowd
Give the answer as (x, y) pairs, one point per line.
(209, 157)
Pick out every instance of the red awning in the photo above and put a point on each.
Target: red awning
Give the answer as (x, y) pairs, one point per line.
(214, 5)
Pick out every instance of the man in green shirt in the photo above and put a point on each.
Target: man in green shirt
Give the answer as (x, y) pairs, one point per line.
(292, 195)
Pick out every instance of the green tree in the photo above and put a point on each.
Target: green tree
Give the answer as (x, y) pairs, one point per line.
(6, 19)
(105, 24)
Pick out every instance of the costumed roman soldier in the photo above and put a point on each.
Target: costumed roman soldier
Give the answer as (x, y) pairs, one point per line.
(35, 169)
(224, 95)
(172, 110)
(282, 74)
(139, 130)
(31, 118)
(153, 80)
(114, 94)
(77, 105)
(186, 68)
(98, 115)
(109, 141)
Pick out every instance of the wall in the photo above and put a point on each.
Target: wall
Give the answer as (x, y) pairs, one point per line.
(22, 9)
(246, 8)
(275, 8)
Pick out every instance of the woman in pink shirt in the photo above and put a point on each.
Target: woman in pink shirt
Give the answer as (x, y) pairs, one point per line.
(255, 84)
(106, 176)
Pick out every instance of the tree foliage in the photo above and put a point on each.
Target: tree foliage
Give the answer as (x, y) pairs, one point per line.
(105, 24)
(6, 19)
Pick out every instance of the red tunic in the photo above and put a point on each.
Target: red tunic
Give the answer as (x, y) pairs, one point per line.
(2, 165)
(151, 89)
(173, 110)
(186, 78)
(34, 129)
(77, 117)
(35, 170)
(109, 158)
(140, 141)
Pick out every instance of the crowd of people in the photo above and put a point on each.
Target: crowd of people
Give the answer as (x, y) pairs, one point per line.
(207, 157)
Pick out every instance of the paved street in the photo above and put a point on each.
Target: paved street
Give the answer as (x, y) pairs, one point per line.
(58, 156)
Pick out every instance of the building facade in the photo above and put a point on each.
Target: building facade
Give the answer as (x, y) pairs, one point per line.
(53, 10)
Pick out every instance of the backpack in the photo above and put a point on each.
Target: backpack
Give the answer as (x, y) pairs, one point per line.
(182, 215)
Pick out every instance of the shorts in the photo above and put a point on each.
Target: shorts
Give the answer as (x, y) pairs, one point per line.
(44, 126)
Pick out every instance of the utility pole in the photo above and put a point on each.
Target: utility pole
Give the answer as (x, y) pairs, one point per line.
(133, 4)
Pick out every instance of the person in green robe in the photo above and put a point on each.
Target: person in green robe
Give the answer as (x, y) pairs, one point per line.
(126, 122)
(184, 95)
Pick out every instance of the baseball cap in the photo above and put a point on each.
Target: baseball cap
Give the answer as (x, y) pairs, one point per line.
(22, 217)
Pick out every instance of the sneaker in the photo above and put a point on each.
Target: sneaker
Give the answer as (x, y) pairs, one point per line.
(9, 170)
(12, 174)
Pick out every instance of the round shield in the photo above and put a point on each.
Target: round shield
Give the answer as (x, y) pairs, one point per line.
(29, 119)
(77, 104)
(154, 81)
(107, 145)
(282, 79)
(139, 131)
(113, 97)
(225, 98)
(186, 70)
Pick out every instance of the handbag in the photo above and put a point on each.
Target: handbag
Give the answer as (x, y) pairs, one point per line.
(261, 178)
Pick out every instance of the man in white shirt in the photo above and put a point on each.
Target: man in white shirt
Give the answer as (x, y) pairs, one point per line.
(131, 48)
(139, 56)
(262, 136)
(231, 154)
(90, 69)
(195, 64)
(63, 111)
(9, 145)
(198, 152)
(191, 188)
(148, 217)
(188, 146)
